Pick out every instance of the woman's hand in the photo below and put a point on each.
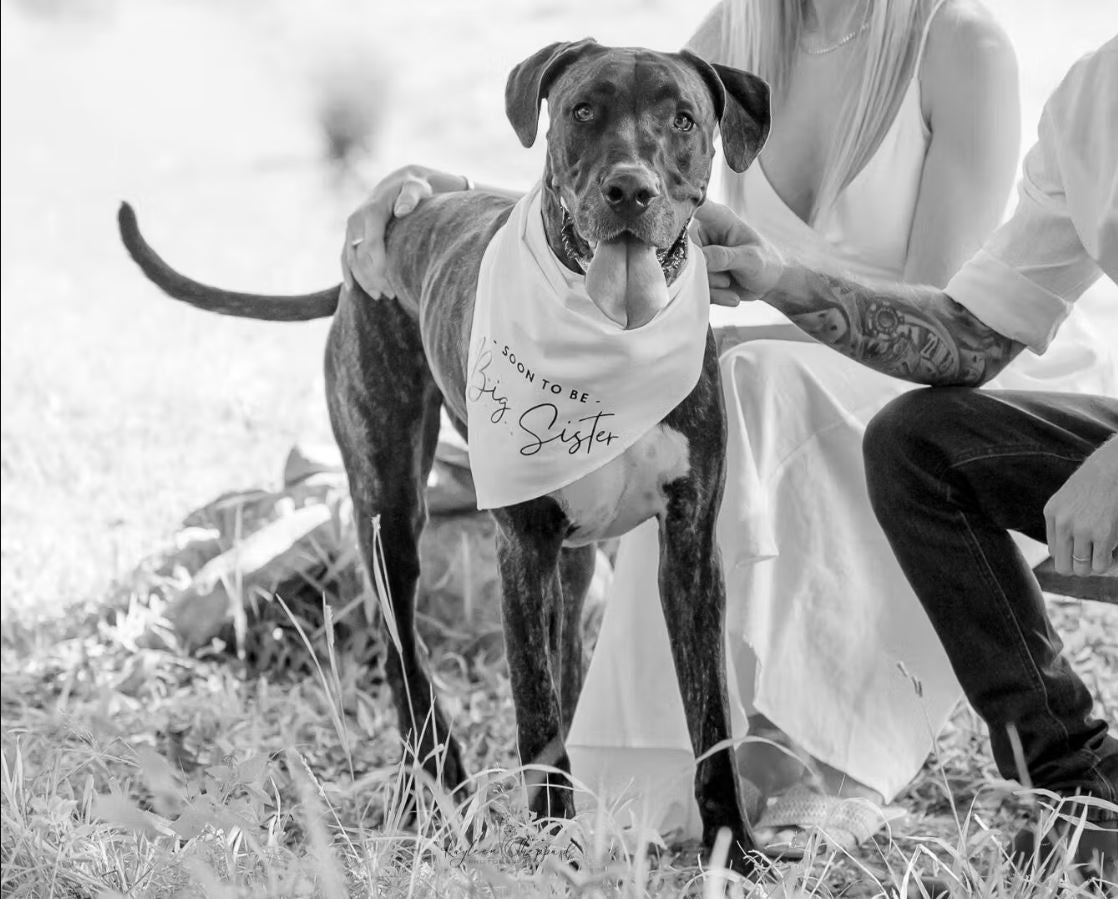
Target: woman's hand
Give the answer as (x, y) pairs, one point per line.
(741, 265)
(397, 194)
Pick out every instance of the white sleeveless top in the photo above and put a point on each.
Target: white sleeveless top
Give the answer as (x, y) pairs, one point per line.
(866, 230)
(865, 233)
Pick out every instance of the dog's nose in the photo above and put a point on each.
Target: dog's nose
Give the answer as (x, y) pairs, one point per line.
(630, 189)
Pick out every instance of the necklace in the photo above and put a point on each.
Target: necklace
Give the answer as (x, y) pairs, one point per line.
(842, 42)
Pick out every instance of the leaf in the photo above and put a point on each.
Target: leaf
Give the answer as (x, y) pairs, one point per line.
(157, 772)
(117, 810)
(365, 719)
(380, 581)
(252, 770)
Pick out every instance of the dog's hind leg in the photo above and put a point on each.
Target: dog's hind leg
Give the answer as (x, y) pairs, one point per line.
(384, 407)
(529, 541)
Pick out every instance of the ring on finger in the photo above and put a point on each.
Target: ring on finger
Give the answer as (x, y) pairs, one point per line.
(1079, 559)
(356, 242)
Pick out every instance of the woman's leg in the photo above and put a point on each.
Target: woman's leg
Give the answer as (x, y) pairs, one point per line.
(813, 589)
(818, 614)
(629, 734)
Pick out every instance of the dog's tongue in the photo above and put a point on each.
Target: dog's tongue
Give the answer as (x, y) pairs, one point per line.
(626, 282)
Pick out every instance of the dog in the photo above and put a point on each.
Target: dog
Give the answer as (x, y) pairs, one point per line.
(629, 154)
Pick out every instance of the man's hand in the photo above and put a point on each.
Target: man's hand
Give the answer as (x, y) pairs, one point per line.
(1081, 518)
(741, 264)
(397, 194)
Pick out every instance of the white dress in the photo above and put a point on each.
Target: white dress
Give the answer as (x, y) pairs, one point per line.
(824, 636)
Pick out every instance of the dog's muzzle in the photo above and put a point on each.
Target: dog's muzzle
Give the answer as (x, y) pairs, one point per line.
(582, 252)
(626, 277)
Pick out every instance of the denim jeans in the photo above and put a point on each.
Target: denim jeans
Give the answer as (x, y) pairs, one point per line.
(951, 471)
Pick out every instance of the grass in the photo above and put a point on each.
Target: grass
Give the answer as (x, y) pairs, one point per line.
(276, 771)
(257, 767)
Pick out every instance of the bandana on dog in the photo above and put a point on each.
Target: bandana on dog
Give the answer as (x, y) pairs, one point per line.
(554, 388)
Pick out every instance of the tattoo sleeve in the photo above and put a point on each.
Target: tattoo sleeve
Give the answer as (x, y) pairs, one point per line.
(916, 333)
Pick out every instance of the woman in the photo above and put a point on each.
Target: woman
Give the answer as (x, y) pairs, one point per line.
(892, 152)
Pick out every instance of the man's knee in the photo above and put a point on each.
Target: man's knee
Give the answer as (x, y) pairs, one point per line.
(906, 440)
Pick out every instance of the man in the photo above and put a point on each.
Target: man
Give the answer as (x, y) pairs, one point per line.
(951, 470)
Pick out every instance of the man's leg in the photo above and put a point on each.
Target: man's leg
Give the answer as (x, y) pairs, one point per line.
(950, 471)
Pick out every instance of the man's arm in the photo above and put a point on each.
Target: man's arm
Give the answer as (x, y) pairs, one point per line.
(916, 333)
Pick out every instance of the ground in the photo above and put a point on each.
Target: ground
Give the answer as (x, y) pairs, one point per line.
(121, 412)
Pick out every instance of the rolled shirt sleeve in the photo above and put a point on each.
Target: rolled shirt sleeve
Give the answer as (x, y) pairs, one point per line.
(1064, 231)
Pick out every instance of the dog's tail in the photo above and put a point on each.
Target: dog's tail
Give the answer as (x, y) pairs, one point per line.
(296, 308)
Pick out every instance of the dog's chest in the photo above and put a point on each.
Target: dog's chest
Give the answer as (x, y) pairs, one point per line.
(615, 498)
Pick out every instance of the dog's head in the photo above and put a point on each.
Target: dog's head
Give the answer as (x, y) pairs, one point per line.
(629, 153)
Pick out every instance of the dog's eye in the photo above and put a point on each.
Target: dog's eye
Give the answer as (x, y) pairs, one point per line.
(583, 113)
(683, 122)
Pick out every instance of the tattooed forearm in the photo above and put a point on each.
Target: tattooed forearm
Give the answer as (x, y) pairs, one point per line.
(916, 333)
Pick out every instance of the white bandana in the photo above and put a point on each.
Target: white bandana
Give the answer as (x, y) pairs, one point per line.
(555, 389)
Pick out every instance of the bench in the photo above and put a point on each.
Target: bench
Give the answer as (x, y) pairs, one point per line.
(1099, 587)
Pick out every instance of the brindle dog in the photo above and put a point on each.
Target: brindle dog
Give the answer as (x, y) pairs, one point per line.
(629, 155)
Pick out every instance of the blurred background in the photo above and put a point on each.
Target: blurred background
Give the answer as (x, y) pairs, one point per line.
(244, 131)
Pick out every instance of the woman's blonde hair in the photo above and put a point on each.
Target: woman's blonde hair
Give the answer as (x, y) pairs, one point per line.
(762, 36)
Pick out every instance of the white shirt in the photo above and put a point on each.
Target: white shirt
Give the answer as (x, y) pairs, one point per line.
(1064, 231)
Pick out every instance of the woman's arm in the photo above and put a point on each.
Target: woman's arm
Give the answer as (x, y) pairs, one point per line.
(397, 194)
(968, 82)
(706, 42)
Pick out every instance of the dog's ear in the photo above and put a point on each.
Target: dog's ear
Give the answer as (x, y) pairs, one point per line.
(742, 103)
(531, 80)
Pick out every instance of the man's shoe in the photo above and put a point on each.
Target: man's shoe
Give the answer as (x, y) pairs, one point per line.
(1096, 851)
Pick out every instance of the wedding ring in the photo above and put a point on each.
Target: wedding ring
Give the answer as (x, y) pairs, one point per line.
(1076, 558)
(356, 242)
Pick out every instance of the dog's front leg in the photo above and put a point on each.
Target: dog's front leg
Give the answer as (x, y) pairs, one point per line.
(694, 600)
(693, 597)
(529, 541)
(576, 571)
